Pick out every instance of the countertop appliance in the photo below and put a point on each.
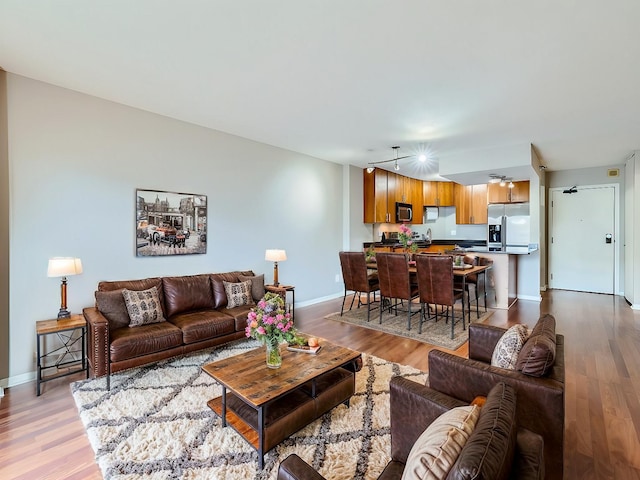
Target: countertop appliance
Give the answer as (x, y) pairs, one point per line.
(404, 212)
(508, 226)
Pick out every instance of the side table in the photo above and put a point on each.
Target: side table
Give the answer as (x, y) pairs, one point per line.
(282, 291)
(66, 355)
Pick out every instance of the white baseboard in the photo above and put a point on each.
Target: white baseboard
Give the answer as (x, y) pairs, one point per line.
(533, 298)
(313, 301)
(17, 380)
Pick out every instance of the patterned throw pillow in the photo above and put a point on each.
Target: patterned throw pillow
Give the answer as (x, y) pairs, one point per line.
(439, 446)
(505, 354)
(143, 306)
(238, 294)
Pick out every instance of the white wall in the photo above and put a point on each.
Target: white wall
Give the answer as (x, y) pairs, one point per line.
(75, 162)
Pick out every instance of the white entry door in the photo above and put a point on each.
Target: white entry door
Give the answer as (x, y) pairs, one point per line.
(581, 250)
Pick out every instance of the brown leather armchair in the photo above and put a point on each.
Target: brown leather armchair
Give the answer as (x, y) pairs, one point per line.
(540, 399)
(496, 449)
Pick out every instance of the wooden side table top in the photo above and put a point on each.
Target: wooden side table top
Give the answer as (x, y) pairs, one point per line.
(55, 325)
(279, 287)
(248, 376)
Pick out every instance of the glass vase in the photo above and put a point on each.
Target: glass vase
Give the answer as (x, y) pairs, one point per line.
(274, 359)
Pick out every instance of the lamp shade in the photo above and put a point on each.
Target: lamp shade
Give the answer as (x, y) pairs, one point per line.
(64, 266)
(275, 255)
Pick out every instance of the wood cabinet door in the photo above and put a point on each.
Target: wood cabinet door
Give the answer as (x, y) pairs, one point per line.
(430, 193)
(445, 194)
(462, 198)
(392, 195)
(520, 192)
(417, 200)
(479, 204)
(497, 194)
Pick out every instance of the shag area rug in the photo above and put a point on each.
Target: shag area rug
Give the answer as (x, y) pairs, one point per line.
(435, 333)
(154, 423)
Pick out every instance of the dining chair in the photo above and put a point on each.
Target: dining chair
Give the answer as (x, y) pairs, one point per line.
(471, 279)
(436, 286)
(396, 283)
(357, 279)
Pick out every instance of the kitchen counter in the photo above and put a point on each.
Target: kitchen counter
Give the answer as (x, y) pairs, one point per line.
(509, 251)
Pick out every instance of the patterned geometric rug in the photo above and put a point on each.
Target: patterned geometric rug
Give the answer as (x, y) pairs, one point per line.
(154, 423)
(435, 333)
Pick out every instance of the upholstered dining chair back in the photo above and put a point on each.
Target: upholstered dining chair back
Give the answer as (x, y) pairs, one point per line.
(354, 271)
(394, 277)
(357, 279)
(436, 286)
(435, 279)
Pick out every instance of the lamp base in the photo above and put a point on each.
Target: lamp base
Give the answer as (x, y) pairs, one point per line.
(64, 313)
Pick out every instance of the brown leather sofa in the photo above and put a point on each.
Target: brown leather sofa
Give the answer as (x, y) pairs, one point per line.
(496, 449)
(540, 398)
(194, 307)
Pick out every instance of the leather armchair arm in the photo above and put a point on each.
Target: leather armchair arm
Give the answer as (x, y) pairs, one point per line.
(540, 399)
(413, 408)
(97, 341)
(483, 340)
(294, 468)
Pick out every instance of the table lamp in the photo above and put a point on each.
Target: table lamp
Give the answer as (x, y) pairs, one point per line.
(275, 256)
(63, 267)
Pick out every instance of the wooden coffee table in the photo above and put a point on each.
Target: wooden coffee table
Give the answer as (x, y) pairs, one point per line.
(266, 406)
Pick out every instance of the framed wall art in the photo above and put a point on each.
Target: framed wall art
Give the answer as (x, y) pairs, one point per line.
(170, 223)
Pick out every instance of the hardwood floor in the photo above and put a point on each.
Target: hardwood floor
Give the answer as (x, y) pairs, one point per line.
(43, 438)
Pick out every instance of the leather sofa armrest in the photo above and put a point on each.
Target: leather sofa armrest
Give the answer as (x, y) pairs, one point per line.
(294, 468)
(528, 461)
(483, 340)
(413, 407)
(97, 341)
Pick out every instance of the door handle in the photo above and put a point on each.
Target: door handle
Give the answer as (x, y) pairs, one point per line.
(607, 238)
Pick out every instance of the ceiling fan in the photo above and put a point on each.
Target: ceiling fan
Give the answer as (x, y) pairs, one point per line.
(396, 166)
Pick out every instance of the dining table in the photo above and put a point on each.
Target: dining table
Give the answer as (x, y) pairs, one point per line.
(461, 271)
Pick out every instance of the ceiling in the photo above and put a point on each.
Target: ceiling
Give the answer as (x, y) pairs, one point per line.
(344, 81)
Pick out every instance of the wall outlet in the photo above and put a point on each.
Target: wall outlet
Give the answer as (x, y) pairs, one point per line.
(338, 278)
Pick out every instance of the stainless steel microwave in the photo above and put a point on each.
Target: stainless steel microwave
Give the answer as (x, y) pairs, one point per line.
(404, 212)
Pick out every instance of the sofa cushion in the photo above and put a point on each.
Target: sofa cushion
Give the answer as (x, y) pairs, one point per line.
(538, 354)
(144, 284)
(187, 293)
(438, 447)
(219, 294)
(143, 306)
(127, 343)
(111, 305)
(257, 286)
(505, 353)
(238, 294)
(203, 325)
(488, 453)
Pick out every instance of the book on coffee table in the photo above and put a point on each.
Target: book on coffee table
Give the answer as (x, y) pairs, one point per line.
(304, 348)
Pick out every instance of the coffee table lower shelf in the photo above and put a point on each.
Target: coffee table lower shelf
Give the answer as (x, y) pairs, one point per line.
(245, 430)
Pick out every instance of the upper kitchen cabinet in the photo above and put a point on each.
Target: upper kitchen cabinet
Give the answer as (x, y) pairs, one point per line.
(417, 201)
(438, 194)
(380, 189)
(471, 204)
(518, 194)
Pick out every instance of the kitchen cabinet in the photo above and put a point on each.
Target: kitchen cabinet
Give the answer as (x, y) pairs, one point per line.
(380, 189)
(518, 194)
(471, 204)
(438, 194)
(416, 200)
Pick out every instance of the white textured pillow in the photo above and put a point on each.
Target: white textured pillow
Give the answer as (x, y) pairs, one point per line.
(238, 293)
(439, 446)
(505, 354)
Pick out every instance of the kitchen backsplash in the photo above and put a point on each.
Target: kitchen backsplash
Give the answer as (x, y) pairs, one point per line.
(443, 228)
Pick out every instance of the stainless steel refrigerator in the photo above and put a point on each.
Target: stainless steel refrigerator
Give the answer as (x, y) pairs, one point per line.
(508, 227)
